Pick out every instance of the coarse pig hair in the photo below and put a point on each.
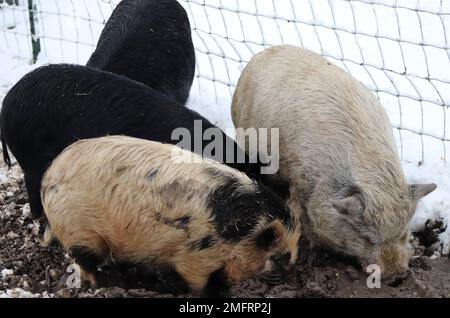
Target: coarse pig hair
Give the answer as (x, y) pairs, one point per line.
(127, 198)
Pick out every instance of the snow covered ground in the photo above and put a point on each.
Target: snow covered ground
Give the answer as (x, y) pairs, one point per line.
(401, 54)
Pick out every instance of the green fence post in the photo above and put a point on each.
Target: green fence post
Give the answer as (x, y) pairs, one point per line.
(35, 42)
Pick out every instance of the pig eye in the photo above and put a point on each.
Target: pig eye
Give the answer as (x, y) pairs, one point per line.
(266, 239)
(281, 258)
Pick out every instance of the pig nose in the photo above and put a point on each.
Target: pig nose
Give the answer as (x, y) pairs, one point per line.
(276, 277)
(396, 279)
(281, 271)
(282, 264)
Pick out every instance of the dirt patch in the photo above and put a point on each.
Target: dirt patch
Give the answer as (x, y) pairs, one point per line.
(428, 238)
(29, 270)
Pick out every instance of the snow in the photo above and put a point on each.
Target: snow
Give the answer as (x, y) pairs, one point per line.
(437, 204)
(400, 54)
(20, 293)
(6, 272)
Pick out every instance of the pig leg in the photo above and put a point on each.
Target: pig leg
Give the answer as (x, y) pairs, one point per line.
(162, 279)
(217, 285)
(88, 261)
(33, 184)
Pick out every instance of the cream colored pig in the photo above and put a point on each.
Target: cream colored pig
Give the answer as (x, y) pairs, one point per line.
(337, 152)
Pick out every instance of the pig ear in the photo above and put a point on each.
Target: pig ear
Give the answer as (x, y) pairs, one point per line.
(351, 205)
(418, 191)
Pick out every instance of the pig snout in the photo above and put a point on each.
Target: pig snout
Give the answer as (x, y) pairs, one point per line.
(278, 269)
(394, 263)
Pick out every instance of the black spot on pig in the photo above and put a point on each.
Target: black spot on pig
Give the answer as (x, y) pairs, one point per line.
(266, 239)
(203, 243)
(237, 209)
(181, 223)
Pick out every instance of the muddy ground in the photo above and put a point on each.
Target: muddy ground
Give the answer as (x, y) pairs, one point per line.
(28, 269)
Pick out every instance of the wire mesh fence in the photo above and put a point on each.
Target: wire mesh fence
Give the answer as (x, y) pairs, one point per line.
(398, 48)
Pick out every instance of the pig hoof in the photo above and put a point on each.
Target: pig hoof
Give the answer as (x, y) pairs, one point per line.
(90, 279)
(396, 279)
